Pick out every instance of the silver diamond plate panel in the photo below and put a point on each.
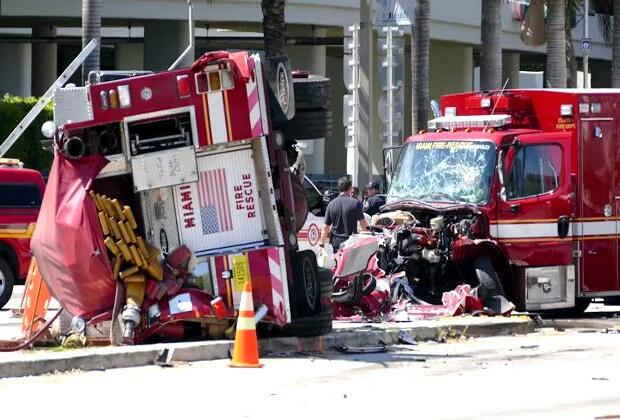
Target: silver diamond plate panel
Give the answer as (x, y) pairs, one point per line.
(117, 166)
(160, 220)
(72, 104)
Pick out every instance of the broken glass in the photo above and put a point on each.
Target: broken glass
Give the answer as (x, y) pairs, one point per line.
(444, 171)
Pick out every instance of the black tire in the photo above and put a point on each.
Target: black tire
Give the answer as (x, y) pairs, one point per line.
(311, 92)
(308, 125)
(369, 283)
(327, 284)
(352, 295)
(321, 323)
(310, 326)
(490, 284)
(306, 285)
(7, 280)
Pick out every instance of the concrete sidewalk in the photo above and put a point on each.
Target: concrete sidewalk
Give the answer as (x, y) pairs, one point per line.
(43, 361)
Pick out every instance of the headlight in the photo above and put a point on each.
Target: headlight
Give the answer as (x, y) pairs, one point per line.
(48, 129)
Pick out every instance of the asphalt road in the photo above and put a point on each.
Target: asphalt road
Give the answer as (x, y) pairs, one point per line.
(548, 374)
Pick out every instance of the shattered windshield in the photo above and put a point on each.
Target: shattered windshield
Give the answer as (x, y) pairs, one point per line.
(444, 171)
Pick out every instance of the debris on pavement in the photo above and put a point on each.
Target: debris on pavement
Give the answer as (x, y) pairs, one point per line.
(164, 358)
(394, 300)
(405, 337)
(382, 348)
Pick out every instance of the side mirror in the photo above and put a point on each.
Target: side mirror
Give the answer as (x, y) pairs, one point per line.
(500, 174)
(504, 166)
(563, 226)
(436, 108)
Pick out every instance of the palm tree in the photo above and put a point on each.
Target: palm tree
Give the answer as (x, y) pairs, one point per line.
(91, 29)
(419, 64)
(274, 27)
(556, 44)
(572, 6)
(491, 54)
(609, 22)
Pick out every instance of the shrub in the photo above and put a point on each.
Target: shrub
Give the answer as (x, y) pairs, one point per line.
(28, 147)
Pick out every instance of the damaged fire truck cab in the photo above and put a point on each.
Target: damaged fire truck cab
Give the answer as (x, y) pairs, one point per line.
(190, 151)
(519, 190)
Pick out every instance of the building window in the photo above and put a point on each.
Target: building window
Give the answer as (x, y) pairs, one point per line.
(535, 170)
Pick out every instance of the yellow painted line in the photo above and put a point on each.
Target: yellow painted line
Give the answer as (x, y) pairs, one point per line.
(227, 108)
(18, 233)
(579, 238)
(579, 219)
(515, 221)
(205, 108)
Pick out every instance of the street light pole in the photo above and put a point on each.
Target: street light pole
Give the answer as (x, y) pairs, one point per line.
(586, 51)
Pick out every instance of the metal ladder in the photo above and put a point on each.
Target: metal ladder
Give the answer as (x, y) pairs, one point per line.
(46, 98)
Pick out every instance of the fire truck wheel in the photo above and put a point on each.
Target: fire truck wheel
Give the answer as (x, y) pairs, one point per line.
(307, 286)
(310, 326)
(308, 125)
(7, 279)
(490, 284)
(320, 324)
(311, 92)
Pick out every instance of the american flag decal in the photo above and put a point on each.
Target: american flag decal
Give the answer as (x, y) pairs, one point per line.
(214, 204)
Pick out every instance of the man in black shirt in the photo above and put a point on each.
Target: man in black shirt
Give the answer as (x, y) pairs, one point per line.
(375, 201)
(341, 216)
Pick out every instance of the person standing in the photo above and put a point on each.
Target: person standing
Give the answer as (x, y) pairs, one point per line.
(375, 201)
(341, 217)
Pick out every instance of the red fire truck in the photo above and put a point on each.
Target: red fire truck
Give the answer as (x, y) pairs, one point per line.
(193, 153)
(516, 190)
(21, 191)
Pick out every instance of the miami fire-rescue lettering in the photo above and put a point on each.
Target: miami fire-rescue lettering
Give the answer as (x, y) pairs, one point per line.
(244, 197)
(187, 206)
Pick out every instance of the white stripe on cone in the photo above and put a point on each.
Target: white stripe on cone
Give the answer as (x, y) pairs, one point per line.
(246, 303)
(245, 324)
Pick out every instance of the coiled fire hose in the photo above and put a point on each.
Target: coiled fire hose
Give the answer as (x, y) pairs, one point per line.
(34, 337)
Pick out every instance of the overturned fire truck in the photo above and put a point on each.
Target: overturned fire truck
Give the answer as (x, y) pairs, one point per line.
(517, 191)
(170, 190)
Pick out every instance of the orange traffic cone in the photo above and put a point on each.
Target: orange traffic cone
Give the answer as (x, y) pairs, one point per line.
(245, 353)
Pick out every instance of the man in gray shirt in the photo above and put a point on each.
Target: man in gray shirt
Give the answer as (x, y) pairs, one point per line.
(342, 215)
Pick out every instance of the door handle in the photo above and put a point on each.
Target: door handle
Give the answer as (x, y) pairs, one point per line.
(617, 197)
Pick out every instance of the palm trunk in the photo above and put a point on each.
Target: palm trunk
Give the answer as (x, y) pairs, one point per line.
(274, 27)
(491, 33)
(420, 63)
(615, 66)
(91, 29)
(556, 44)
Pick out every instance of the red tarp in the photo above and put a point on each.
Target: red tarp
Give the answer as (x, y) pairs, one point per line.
(68, 242)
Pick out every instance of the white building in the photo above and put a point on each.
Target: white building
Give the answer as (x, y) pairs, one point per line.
(39, 38)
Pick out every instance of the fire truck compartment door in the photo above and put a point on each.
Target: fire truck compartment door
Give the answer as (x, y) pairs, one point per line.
(164, 168)
(599, 182)
(222, 212)
(539, 194)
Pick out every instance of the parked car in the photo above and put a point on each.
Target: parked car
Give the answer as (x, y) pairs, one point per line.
(21, 191)
(316, 199)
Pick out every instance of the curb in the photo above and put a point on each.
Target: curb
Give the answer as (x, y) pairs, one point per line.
(589, 324)
(344, 334)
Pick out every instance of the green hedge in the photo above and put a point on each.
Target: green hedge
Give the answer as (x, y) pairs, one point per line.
(28, 146)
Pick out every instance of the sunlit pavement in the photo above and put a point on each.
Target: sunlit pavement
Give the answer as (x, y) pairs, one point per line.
(547, 374)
